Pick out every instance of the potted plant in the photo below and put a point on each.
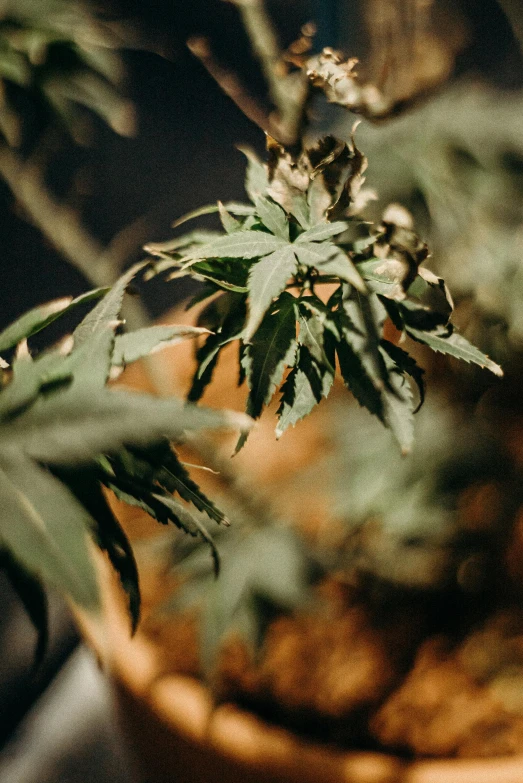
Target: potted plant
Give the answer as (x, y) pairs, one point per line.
(306, 287)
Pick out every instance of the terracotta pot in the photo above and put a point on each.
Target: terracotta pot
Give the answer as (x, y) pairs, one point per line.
(177, 735)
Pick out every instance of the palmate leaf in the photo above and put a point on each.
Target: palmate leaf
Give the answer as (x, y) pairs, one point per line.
(455, 345)
(407, 364)
(171, 474)
(229, 223)
(267, 279)
(322, 231)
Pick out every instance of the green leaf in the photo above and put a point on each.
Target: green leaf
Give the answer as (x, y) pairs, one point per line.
(297, 400)
(241, 244)
(94, 337)
(73, 427)
(398, 409)
(341, 266)
(407, 364)
(357, 379)
(267, 279)
(39, 317)
(173, 476)
(207, 355)
(273, 217)
(272, 348)
(177, 244)
(229, 223)
(186, 519)
(132, 346)
(456, 345)
(29, 378)
(231, 206)
(226, 275)
(305, 386)
(45, 529)
(322, 231)
(106, 312)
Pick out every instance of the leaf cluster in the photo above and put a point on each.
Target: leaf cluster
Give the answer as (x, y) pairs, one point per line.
(64, 434)
(267, 278)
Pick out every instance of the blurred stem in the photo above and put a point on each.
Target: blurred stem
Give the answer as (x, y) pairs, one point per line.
(288, 91)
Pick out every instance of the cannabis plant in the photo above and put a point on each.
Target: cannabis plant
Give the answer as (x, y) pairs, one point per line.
(304, 284)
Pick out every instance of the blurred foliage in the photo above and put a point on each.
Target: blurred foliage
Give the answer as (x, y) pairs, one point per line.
(57, 58)
(63, 435)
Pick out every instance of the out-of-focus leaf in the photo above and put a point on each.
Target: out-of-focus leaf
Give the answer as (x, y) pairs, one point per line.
(135, 345)
(45, 529)
(39, 317)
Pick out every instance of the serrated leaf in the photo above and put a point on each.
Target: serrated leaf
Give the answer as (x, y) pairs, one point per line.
(186, 518)
(45, 529)
(398, 410)
(173, 476)
(407, 364)
(241, 244)
(229, 223)
(385, 276)
(272, 348)
(39, 317)
(322, 231)
(297, 400)
(357, 379)
(224, 274)
(273, 217)
(209, 209)
(455, 345)
(135, 345)
(29, 377)
(305, 386)
(428, 304)
(207, 355)
(106, 312)
(311, 334)
(267, 279)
